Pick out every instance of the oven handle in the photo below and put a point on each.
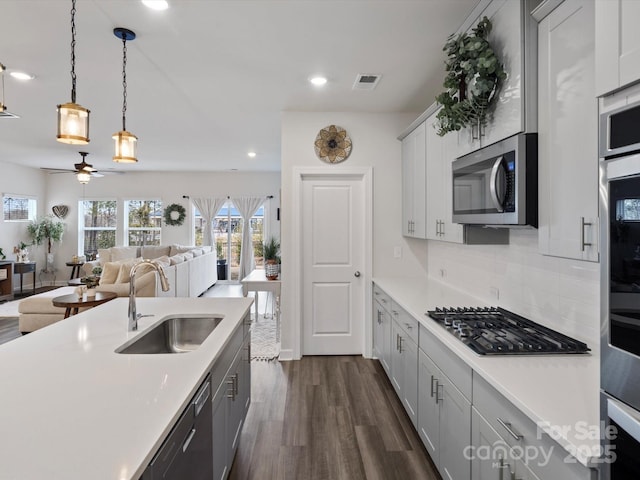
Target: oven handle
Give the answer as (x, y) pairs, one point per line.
(625, 416)
(492, 184)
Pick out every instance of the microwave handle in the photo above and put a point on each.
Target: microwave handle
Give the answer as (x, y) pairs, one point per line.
(493, 187)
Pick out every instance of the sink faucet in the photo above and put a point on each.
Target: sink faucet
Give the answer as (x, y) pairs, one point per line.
(164, 283)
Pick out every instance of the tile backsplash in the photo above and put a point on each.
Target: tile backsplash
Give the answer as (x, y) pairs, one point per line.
(560, 293)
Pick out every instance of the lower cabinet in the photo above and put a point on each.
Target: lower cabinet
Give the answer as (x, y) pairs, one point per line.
(230, 404)
(382, 335)
(404, 368)
(491, 456)
(444, 420)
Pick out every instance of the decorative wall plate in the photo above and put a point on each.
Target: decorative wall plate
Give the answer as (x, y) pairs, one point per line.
(332, 144)
(60, 211)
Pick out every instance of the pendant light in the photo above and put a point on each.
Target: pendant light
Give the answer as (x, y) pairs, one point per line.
(125, 141)
(73, 119)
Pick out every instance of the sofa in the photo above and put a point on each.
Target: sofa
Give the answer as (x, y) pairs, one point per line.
(191, 270)
(38, 311)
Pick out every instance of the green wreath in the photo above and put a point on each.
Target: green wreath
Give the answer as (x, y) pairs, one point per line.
(174, 214)
(473, 77)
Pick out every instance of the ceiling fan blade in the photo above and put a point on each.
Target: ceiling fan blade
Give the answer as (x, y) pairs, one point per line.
(56, 170)
(96, 174)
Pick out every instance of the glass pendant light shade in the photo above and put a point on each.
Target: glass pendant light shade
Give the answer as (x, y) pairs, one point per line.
(73, 124)
(125, 147)
(83, 177)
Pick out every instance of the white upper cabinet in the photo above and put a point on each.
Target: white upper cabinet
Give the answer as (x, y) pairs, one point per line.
(513, 39)
(617, 44)
(440, 153)
(568, 133)
(414, 183)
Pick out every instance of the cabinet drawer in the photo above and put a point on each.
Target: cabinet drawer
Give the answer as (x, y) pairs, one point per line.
(451, 365)
(521, 433)
(406, 322)
(380, 296)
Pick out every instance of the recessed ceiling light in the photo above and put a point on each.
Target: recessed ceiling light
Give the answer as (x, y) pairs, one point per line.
(318, 81)
(156, 4)
(22, 76)
(252, 154)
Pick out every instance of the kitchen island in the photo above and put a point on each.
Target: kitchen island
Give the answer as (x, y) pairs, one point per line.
(72, 408)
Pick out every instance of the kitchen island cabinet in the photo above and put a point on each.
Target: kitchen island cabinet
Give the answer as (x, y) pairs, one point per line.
(106, 414)
(568, 133)
(555, 394)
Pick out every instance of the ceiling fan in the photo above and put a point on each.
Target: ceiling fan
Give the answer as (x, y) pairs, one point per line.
(83, 170)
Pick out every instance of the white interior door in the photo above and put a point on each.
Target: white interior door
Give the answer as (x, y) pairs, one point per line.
(333, 263)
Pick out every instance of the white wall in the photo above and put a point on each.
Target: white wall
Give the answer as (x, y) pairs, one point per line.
(559, 293)
(375, 144)
(18, 180)
(64, 189)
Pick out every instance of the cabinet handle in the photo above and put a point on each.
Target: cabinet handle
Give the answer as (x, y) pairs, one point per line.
(400, 339)
(509, 428)
(582, 225)
(409, 326)
(186, 443)
(436, 381)
(397, 341)
(235, 384)
(379, 315)
(442, 228)
(231, 393)
(439, 390)
(395, 312)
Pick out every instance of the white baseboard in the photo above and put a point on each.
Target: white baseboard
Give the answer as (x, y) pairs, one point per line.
(286, 355)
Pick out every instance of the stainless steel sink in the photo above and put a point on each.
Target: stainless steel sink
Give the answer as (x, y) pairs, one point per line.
(173, 335)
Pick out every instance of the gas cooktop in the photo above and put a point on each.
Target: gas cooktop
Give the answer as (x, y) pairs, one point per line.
(496, 331)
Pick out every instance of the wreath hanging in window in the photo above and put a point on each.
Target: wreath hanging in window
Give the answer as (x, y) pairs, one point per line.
(174, 214)
(473, 77)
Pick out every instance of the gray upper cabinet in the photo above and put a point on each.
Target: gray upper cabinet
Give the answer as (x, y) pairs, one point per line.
(568, 132)
(513, 38)
(414, 164)
(617, 44)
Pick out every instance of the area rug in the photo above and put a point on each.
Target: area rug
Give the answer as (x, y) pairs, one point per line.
(8, 329)
(265, 340)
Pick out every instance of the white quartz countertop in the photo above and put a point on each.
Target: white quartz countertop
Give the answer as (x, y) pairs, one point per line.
(561, 391)
(72, 408)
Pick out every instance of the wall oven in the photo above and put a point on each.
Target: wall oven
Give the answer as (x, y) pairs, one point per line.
(498, 184)
(620, 305)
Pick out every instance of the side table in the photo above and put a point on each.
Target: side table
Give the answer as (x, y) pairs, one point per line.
(75, 269)
(25, 267)
(71, 303)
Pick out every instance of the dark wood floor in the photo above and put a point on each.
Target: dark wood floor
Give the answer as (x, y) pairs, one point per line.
(327, 418)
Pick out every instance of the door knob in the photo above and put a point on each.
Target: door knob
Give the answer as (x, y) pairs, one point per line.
(357, 274)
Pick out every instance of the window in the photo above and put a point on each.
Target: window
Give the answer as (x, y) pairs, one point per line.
(19, 208)
(143, 222)
(227, 231)
(628, 210)
(97, 226)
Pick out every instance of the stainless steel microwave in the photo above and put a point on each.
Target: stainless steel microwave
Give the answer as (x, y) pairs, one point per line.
(498, 184)
(619, 131)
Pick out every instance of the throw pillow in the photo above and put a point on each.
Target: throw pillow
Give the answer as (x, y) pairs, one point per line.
(196, 252)
(104, 256)
(187, 256)
(109, 273)
(123, 253)
(176, 259)
(176, 248)
(124, 274)
(154, 251)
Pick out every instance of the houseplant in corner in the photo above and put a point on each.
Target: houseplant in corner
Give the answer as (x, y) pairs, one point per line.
(49, 229)
(271, 259)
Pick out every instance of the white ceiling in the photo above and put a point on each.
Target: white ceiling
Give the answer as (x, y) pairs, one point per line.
(208, 79)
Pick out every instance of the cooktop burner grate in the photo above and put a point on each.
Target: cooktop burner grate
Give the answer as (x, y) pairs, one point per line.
(496, 331)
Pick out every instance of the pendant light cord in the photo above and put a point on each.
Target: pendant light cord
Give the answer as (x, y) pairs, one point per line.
(73, 51)
(124, 82)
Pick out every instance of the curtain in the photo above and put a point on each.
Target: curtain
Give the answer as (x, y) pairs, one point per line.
(208, 208)
(247, 206)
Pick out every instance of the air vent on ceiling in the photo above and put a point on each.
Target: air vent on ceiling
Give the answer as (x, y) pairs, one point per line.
(366, 81)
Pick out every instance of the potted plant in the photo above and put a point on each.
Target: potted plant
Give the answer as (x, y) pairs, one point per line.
(222, 262)
(271, 259)
(49, 229)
